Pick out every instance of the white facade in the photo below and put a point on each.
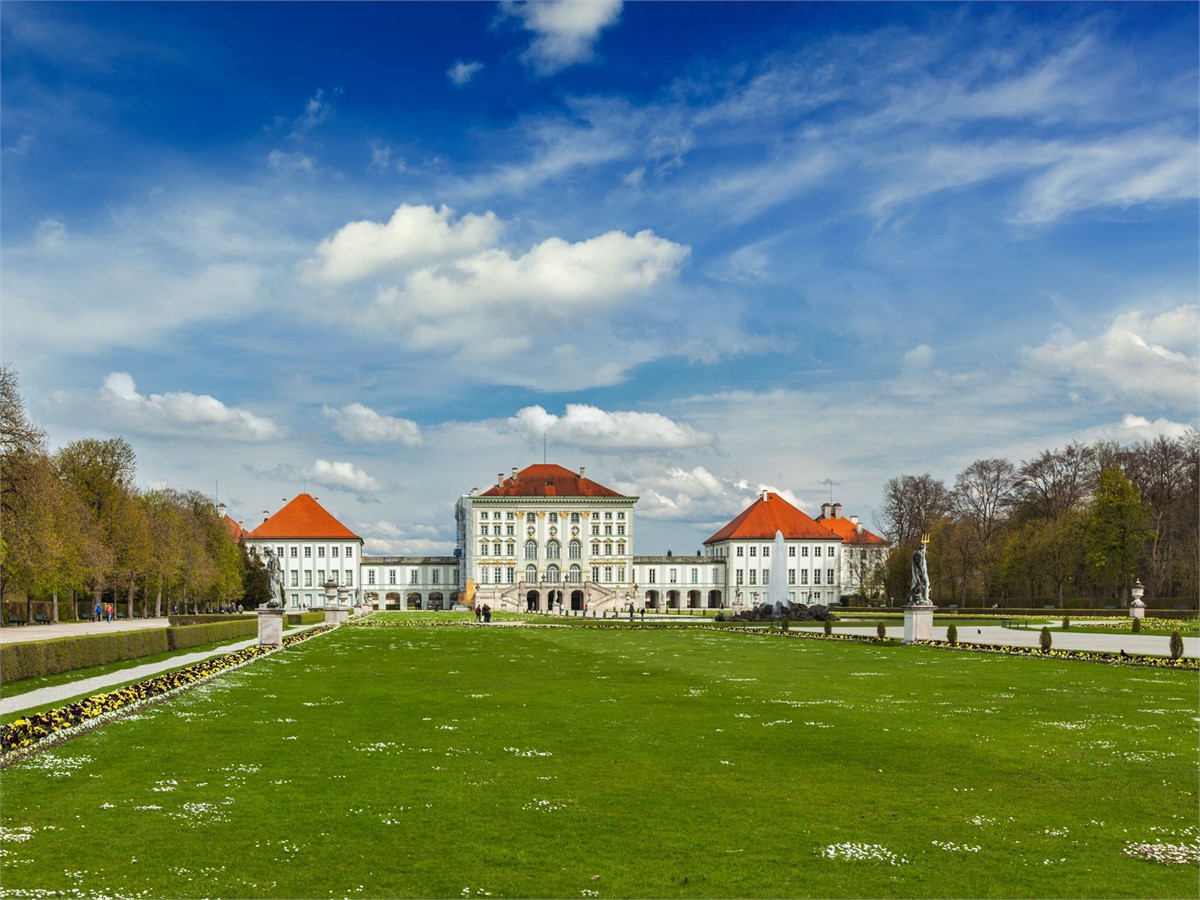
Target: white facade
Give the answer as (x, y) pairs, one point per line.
(680, 582)
(813, 570)
(307, 563)
(410, 582)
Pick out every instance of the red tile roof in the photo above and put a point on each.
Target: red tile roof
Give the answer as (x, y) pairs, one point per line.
(762, 518)
(304, 517)
(848, 531)
(549, 480)
(235, 529)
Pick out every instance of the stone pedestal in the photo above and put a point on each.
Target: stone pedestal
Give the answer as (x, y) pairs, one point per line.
(918, 622)
(1137, 609)
(336, 615)
(270, 627)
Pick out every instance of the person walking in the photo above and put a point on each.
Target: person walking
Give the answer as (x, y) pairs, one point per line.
(99, 612)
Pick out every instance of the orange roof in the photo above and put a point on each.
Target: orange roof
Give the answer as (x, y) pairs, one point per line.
(234, 528)
(549, 480)
(762, 518)
(848, 531)
(304, 517)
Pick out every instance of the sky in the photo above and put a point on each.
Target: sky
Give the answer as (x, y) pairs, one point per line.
(381, 252)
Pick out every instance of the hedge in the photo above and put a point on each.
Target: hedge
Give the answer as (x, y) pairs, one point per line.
(31, 659)
(206, 618)
(308, 618)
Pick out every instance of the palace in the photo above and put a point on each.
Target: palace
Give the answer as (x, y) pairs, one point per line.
(547, 539)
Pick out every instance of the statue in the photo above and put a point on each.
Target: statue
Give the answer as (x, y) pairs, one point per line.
(274, 581)
(920, 577)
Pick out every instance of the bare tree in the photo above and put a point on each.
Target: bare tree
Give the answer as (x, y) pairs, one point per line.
(1056, 480)
(912, 505)
(982, 497)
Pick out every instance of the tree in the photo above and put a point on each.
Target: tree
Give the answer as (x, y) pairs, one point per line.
(1115, 532)
(983, 494)
(256, 589)
(912, 504)
(1055, 481)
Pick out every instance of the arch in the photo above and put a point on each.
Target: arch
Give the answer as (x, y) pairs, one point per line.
(436, 601)
(672, 599)
(532, 601)
(693, 599)
(553, 598)
(531, 573)
(412, 601)
(552, 572)
(553, 549)
(575, 550)
(651, 600)
(575, 575)
(715, 601)
(576, 599)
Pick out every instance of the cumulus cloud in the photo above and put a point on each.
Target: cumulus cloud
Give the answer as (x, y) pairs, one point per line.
(592, 428)
(182, 414)
(385, 538)
(564, 30)
(1133, 428)
(414, 236)
(291, 162)
(1151, 358)
(342, 476)
(698, 495)
(461, 73)
(362, 424)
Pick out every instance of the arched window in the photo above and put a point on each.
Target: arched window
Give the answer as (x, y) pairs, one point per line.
(552, 550)
(575, 575)
(552, 573)
(531, 573)
(531, 549)
(575, 550)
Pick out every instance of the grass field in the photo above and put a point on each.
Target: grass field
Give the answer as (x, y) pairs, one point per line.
(567, 762)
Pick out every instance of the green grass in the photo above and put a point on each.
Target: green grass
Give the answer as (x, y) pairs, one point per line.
(437, 762)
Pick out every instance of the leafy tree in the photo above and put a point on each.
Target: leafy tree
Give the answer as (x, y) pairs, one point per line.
(1115, 532)
(256, 590)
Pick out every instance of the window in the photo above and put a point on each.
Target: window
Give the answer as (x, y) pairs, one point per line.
(511, 572)
(320, 577)
(620, 548)
(553, 550)
(333, 552)
(754, 576)
(829, 576)
(349, 554)
(804, 576)
(391, 576)
(495, 549)
(553, 518)
(608, 549)
(766, 576)
(737, 579)
(510, 549)
(320, 553)
(508, 516)
(804, 551)
(574, 518)
(295, 578)
(531, 549)
(673, 576)
(766, 551)
(608, 529)
(829, 550)
(595, 528)
(530, 518)
(608, 573)
(552, 572)
(349, 582)
(483, 575)
(754, 551)
(695, 576)
(739, 551)
(620, 515)
(308, 552)
(294, 551)
(595, 548)
(412, 576)
(483, 549)
(575, 575)
(608, 516)
(437, 576)
(816, 576)
(575, 550)
(483, 516)
(792, 552)
(508, 530)
(653, 576)
(496, 530)
(791, 576)
(595, 573)
(620, 529)
(279, 553)
(531, 573)
(370, 576)
(620, 573)
(308, 578)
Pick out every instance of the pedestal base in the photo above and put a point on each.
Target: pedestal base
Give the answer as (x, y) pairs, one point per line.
(1137, 609)
(270, 627)
(918, 622)
(336, 615)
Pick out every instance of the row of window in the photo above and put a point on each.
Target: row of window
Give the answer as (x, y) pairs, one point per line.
(672, 576)
(553, 549)
(766, 551)
(320, 579)
(573, 575)
(435, 576)
(294, 552)
(766, 576)
(552, 517)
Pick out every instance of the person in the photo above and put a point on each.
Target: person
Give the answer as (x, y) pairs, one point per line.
(99, 612)
(487, 614)
(478, 613)
(630, 612)
(643, 614)
(108, 612)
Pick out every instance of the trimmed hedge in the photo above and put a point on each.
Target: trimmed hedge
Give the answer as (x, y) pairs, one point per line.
(33, 658)
(308, 618)
(206, 618)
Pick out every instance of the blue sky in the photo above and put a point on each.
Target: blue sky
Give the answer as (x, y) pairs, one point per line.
(379, 251)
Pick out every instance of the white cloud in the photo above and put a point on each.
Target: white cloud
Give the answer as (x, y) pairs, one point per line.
(342, 476)
(50, 234)
(592, 428)
(697, 495)
(1151, 358)
(180, 414)
(291, 162)
(1133, 428)
(317, 110)
(564, 30)
(461, 73)
(414, 236)
(385, 538)
(361, 423)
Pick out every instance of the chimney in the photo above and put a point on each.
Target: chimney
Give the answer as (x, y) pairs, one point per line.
(499, 479)
(825, 507)
(266, 514)
(854, 520)
(514, 474)
(837, 510)
(221, 510)
(241, 525)
(764, 495)
(858, 528)
(582, 471)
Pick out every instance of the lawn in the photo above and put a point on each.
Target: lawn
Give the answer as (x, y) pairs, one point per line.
(570, 762)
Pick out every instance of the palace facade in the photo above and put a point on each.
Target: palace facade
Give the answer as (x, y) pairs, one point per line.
(546, 538)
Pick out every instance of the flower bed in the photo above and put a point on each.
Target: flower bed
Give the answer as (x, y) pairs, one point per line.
(1161, 662)
(28, 733)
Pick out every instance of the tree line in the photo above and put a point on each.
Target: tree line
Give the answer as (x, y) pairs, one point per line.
(1074, 525)
(77, 528)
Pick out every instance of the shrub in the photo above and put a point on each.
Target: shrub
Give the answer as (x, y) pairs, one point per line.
(1176, 644)
(881, 631)
(194, 635)
(952, 634)
(1066, 622)
(783, 624)
(1045, 640)
(1137, 625)
(35, 658)
(828, 626)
